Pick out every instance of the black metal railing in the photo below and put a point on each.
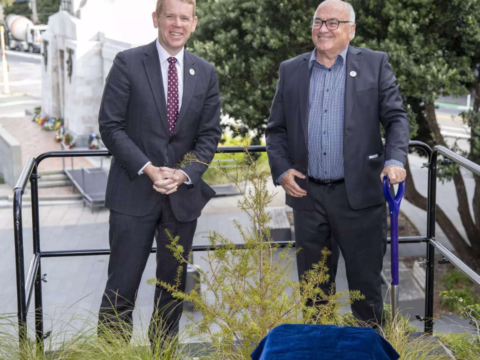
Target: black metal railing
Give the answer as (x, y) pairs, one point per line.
(33, 281)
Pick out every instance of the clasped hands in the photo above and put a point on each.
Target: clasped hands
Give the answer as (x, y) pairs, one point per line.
(395, 173)
(165, 180)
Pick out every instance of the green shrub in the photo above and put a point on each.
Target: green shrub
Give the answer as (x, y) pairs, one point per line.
(451, 301)
(226, 167)
(468, 309)
(455, 279)
(459, 287)
(463, 346)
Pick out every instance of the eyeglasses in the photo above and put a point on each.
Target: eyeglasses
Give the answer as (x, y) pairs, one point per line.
(331, 24)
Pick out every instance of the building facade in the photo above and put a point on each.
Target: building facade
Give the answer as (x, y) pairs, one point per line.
(78, 50)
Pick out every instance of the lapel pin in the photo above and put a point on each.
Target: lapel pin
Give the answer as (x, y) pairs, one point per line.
(353, 73)
(192, 72)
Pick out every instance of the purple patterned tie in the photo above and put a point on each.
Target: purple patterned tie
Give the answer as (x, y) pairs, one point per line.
(172, 97)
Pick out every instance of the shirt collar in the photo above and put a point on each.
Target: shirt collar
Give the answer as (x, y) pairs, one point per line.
(313, 57)
(164, 55)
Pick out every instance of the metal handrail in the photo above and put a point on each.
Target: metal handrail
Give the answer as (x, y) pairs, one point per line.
(25, 289)
(460, 160)
(281, 244)
(459, 264)
(32, 271)
(25, 175)
(475, 168)
(87, 153)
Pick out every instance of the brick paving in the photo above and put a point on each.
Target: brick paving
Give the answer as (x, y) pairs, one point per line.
(35, 141)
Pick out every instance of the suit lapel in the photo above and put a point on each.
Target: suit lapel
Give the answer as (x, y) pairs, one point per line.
(354, 63)
(154, 75)
(303, 92)
(189, 81)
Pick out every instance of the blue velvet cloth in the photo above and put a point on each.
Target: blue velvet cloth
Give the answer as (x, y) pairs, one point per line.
(315, 342)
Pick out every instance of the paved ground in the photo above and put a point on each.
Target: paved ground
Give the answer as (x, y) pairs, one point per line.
(25, 80)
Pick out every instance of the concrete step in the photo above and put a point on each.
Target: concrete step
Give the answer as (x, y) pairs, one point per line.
(52, 184)
(51, 172)
(67, 197)
(53, 177)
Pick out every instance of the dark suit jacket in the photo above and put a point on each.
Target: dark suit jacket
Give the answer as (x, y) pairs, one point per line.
(134, 128)
(371, 97)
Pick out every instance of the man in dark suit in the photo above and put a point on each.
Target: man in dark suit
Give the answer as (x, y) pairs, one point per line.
(160, 103)
(325, 149)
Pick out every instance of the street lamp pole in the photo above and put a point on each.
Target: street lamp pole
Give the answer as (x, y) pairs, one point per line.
(6, 86)
(33, 5)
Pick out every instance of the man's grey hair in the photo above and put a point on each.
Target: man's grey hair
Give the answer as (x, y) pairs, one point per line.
(351, 11)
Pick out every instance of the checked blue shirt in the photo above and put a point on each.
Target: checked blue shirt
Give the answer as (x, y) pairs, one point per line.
(326, 119)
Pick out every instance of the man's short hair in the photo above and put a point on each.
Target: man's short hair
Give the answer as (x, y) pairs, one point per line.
(351, 11)
(160, 6)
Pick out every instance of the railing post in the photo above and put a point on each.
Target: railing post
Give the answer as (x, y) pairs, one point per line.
(36, 250)
(430, 269)
(20, 266)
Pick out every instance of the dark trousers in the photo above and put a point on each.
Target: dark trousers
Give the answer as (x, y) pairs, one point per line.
(131, 240)
(361, 237)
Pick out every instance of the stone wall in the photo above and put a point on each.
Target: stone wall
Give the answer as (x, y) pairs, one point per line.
(11, 155)
(83, 90)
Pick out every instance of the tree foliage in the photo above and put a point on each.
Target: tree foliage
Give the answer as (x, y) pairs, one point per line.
(45, 8)
(429, 43)
(247, 40)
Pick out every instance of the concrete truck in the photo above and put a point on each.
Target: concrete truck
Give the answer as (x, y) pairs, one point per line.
(22, 34)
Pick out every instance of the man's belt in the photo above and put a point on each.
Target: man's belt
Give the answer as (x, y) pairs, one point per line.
(326, 182)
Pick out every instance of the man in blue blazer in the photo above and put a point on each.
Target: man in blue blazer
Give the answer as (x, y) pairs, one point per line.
(160, 103)
(325, 149)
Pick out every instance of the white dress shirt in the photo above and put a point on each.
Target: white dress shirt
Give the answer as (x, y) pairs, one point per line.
(163, 57)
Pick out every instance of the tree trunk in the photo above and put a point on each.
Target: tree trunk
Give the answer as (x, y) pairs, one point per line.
(474, 155)
(463, 205)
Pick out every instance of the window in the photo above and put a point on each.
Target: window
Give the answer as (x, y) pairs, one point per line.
(67, 5)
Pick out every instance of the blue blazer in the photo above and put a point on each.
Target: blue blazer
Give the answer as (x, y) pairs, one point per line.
(372, 98)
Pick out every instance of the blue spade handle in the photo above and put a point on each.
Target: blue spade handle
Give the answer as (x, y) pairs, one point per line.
(394, 206)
